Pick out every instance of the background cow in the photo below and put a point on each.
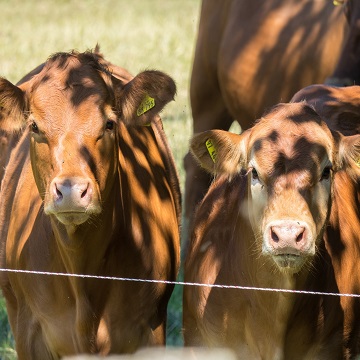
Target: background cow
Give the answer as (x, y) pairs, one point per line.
(347, 70)
(340, 108)
(261, 224)
(251, 56)
(90, 188)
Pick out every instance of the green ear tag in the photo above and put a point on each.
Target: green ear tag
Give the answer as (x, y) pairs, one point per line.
(211, 149)
(147, 104)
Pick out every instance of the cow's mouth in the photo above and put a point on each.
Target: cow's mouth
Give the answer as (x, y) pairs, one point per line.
(289, 262)
(72, 218)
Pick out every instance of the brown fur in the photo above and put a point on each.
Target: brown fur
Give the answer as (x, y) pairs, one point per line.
(340, 108)
(77, 130)
(289, 147)
(250, 57)
(347, 70)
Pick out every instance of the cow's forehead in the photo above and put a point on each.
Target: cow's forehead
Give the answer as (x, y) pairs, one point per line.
(76, 78)
(71, 93)
(291, 136)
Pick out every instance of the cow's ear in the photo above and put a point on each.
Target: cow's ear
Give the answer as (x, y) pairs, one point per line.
(349, 151)
(144, 96)
(12, 106)
(220, 152)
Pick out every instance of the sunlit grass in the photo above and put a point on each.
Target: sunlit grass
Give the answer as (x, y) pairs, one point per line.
(137, 35)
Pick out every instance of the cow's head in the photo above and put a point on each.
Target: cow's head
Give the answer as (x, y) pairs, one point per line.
(72, 110)
(289, 158)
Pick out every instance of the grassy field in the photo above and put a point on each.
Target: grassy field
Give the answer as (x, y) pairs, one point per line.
(138, 35)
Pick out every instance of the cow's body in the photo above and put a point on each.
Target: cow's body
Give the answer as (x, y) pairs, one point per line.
(252, 56)
(347, 70)
(340, 108)
(89, 189)
(342, 239)
(255, 227)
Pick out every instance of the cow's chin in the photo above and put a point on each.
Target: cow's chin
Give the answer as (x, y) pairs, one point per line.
(72, 218)
(290, 263)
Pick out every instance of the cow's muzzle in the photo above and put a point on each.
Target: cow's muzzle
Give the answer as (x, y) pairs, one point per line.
(289, 242)
(72, 200)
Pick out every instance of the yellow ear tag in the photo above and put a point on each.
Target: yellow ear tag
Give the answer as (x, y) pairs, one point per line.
(147, 104)
(358, 162)
(338, 2)
(211, 149)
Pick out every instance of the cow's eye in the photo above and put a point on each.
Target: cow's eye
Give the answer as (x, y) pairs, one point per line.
(34, 127)
(326, 173)
(109, 125)
(254, 174)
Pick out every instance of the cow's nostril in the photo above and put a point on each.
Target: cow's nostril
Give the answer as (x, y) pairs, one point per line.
(83, 194)
(86, 192)
(58, 193)
(300, 236)
(274, 236)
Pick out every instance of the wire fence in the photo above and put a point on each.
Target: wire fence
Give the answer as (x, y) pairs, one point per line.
(174, 323)
(115, 278)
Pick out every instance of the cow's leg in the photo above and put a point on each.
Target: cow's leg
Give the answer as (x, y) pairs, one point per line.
(28, 338)
(30, 344)
(192, 334)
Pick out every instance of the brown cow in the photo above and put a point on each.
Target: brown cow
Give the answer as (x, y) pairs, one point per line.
(252, 55)
(347, 70)
(340, 108)
(91, 188)
(261, 224)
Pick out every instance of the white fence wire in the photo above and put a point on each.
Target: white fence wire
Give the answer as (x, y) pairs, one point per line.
(114, 278)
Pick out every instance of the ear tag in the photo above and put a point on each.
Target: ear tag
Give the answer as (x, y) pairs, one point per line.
(358, 162)
(211, 149)
(147, 104)
(338, 2)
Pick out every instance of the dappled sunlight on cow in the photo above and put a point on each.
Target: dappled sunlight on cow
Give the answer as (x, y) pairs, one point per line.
(261, 224)
(250, 57)
(347, 70)
(90, 188)
(339, 106)
(340, 109)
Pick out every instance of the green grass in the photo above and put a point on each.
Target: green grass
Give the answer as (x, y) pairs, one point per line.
(137, 35)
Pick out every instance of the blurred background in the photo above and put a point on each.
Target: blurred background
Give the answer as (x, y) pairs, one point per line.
(137, 35)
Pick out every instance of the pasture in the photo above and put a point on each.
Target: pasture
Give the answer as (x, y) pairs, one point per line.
(137, 35)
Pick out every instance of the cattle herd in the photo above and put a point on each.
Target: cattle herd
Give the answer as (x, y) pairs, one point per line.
(90, 192)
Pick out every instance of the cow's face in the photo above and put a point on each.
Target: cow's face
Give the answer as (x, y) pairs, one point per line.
(72, 109)
(290, 166)
(289, 158)
(73, 138)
